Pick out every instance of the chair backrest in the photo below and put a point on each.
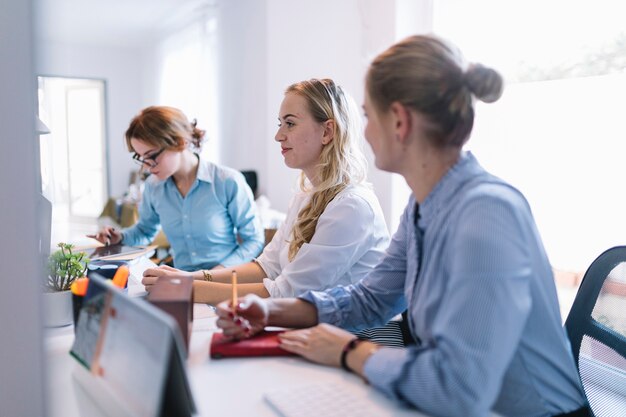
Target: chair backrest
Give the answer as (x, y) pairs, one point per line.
(596, 327)
(251, 179)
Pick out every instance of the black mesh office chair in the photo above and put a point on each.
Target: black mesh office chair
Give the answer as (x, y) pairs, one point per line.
(596, 326)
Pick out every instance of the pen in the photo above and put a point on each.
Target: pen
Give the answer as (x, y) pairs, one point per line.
(234, 284)
(108, 242)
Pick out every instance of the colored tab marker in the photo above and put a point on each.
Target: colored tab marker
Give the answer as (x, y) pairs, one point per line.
(79, 287)
(121, 276)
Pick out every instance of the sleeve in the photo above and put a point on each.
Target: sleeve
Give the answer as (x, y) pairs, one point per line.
(376, 298)
(344, 233)
(242, 211)
(269, 259)
(462, 364)
(149, 223)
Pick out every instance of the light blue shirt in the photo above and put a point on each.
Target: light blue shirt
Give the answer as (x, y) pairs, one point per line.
(201, 227)
(482, 304)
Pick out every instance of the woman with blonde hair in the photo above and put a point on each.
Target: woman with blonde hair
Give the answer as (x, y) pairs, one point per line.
(335, 231)
(206, 211)
(467, 261)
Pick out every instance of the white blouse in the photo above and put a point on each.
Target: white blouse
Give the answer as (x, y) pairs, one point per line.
(350, 239)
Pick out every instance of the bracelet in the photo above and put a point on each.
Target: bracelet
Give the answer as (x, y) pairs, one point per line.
(347, 349)
(207, 275)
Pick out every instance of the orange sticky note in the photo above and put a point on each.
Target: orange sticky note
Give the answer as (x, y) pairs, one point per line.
(79, 287)
(121, 276)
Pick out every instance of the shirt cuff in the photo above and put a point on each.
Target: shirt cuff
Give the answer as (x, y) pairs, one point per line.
(272, 288)
(261, 262)
(383, 368)
(329, 304)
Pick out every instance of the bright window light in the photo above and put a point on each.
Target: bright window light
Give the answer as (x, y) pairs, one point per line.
(557, 133)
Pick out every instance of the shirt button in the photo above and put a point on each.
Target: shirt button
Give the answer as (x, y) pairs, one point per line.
(184, 216)
(193, 254)
(188, 236)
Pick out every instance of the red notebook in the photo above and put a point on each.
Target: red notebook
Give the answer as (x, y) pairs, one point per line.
(262, 344)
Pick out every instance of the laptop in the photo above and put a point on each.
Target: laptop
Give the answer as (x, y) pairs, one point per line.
(131, 356)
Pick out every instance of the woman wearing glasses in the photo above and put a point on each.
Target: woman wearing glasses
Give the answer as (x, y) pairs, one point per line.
(202, 207)
(335, 231)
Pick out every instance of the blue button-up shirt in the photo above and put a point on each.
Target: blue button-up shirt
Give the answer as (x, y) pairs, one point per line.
(482, 303)
(201, 227)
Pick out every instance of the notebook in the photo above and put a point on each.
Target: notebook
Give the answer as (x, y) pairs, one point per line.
(265, 343)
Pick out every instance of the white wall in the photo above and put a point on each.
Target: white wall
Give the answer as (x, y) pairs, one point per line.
(242, 89)
(263, 46)
(323, 38)
(21, 357)
(122, 70)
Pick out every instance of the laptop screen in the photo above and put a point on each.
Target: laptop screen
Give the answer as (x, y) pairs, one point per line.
(130, 347)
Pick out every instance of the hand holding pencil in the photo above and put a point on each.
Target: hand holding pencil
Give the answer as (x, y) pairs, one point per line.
(243, 318)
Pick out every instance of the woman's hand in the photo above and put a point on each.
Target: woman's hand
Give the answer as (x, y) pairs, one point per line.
(249, 317)
(321, 344)
(108, 235)
(151, 275)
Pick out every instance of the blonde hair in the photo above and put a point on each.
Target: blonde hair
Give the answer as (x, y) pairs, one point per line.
(428, 75)
(341, 162)
(164, 127)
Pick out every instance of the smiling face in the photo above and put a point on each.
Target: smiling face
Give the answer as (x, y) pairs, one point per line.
(300, 136)
(166, 163)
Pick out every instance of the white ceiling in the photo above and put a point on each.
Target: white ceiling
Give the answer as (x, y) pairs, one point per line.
(113, 22)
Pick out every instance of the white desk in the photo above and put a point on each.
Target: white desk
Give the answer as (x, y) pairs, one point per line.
(224, 387)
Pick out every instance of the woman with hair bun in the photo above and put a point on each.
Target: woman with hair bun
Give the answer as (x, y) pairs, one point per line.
(202, 207)
(467, 263)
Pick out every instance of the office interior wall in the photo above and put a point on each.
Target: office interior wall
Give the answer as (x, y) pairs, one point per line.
(122, 69)
(241, 74)
(263, 46)
(21, 357)
(323, 39)
(261, 57)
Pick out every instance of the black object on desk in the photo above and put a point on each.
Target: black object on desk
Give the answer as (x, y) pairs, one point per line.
(104, 268)
(175, 297)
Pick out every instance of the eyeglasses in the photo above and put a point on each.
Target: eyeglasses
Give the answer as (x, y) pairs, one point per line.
(150, 161)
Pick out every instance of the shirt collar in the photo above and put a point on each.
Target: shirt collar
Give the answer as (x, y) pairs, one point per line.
(205, 170)
(465, 169)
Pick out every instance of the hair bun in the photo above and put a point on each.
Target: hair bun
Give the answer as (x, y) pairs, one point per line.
(485, 83)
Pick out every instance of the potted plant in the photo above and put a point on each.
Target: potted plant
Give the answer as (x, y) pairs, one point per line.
(64, 267)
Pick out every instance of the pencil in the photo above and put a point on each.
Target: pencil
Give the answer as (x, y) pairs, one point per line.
(234, 284)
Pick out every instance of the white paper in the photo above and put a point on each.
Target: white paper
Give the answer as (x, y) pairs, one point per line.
(136, 269)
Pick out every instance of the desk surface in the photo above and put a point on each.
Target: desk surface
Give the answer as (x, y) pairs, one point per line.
(225, 387)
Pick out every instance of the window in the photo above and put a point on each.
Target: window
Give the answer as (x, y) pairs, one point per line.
(73, 167)
(186, 63)
(557, 132)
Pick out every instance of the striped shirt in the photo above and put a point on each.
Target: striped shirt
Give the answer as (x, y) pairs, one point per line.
(483, 308)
